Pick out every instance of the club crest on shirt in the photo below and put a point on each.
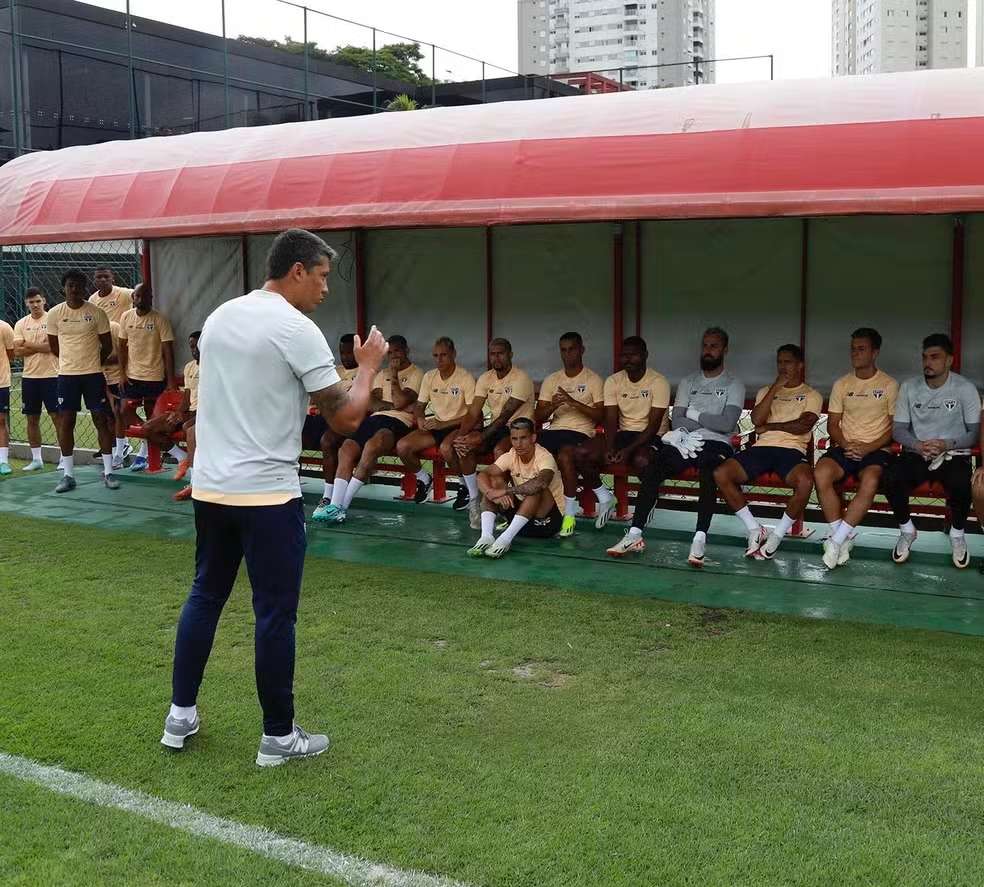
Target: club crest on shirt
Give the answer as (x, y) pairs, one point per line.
(580, 389)
(507, 389)
(720, 392)
(454, 390)
(878, 393)
(949, 405)
(799, 398)
(644, 393)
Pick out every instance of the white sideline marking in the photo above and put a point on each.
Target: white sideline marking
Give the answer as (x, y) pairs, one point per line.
(323, 860)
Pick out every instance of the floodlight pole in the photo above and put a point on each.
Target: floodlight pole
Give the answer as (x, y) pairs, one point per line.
(433, 75)
(307, 69)
(225, 65)
(375, 105)
(131, 86)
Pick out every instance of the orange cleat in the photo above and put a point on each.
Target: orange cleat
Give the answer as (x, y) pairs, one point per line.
(182, 470)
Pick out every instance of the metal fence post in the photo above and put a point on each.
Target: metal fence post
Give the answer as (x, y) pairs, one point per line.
(15, 71)
(483, 83)
(375, 99)
(307, 69)
(772, 63)
(225, 65)
(131, 85)
(433, 75)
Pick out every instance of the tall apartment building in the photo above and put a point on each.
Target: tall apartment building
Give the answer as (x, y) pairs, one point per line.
(876, 36)
(979, 55)
(619, 39)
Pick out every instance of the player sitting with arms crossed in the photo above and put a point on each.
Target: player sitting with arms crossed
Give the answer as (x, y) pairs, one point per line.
(449, 390)
(635, 401)
(39, 380)
(572, 400)
(784, 415)
(508, 392)
(859, 422)
(937, 421)
(524, 485)
(394, 392)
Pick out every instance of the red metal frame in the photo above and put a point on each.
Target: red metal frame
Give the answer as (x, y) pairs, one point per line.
(145, 263)
(618, 296)
(489, 286)
(804, 280)
(638, 277)
(360, 283)
(957, 290)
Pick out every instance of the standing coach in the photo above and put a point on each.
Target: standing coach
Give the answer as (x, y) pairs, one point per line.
(262, 359)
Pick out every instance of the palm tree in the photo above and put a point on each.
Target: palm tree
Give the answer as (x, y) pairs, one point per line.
(402, 103)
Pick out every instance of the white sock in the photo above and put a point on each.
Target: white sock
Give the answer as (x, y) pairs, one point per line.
(635, 532)
(4, 454)
(143, 449)
(328, 488)
(843, 531)
(471, 481)
(570, 506)
(603, 494)
(748, 519)
(120, 446)
(338, 493)
(488, 523)
(509, 533)
(955, 533)
(834, 526)
(423, 476)
(354, 485)
(35, 454)
(784, 526)
(183, 713)
(188, 475)
(177, 453)
(68, 463)
(908, 527)
(700, 536)
(107, 463)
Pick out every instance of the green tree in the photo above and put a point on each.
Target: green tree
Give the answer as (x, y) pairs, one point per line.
(402, 103)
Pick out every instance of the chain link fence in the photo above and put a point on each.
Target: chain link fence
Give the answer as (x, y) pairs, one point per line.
(42, 266)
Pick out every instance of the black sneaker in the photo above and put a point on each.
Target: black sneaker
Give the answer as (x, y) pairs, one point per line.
(422, 490)
(462, 500)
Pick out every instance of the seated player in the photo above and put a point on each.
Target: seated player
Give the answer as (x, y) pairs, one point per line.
(39, 379)
(705, 416)
(189, 411)
(146, 355)
(784, 415)
(6, 356)
(635, 402)
(937, 421)
(394, 393)
(524, 485)
(572, 400)
(316, 433)
(507, 391)
(448, 390)
(859, 422)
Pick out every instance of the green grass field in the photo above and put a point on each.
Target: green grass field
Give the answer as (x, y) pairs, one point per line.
(500, 734)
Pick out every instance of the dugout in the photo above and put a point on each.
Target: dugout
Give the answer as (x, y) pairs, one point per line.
(784, 211)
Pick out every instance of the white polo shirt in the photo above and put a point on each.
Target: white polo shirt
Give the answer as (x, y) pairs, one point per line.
(260, 359)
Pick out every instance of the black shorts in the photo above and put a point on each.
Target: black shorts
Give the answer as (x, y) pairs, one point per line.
(115, 390)
(541, 527)
(91, 387)
(555, 441)
(371, 425)
(138, 389)
(769, 460)
(37, 393)
(497, 438)
(853, 467)
(5, 400)
(314, 427)
(440, 434)
(625, 439)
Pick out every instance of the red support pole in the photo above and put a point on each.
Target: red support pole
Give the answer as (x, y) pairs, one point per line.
(245, 254)
(145, 263)
(804, 280)
(489, 286)
(360, 283)
(638, 277)
(618, 297)
(957, 290)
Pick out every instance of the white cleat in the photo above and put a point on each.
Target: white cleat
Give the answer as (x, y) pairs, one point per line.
(696, 556)
(756, 539)
(629, 544)
(961, 557)
(768, 551)
(903, 547)
(605, 511)
(497, 549)
(480, 547)
(34, 465)
(831, 554)
(846, 549)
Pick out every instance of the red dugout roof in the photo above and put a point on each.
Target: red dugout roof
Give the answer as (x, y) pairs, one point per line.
(893, 143)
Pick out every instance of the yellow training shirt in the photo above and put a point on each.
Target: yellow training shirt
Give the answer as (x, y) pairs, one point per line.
(586, 387)
(866, 405)
(448, 398)
(28, 331)
(787, 406)
(144, 336)
(516, 383)
(78, 331)
(635, 399)
(520, 472)
(410, 377)
(116, 304)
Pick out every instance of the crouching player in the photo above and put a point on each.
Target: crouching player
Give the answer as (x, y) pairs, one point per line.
(523, 484)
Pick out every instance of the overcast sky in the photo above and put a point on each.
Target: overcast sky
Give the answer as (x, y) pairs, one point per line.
(797, 32)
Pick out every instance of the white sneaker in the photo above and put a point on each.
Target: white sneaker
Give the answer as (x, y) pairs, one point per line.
(772, 543)
(961, 557)
(846, 549)
(696, 556)
(300, 744)
(831, 554)
(480, 547)
(34, 465)
(903, 547)
(605, 511)
(756, 539)
(629, 544)
(497, 549)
